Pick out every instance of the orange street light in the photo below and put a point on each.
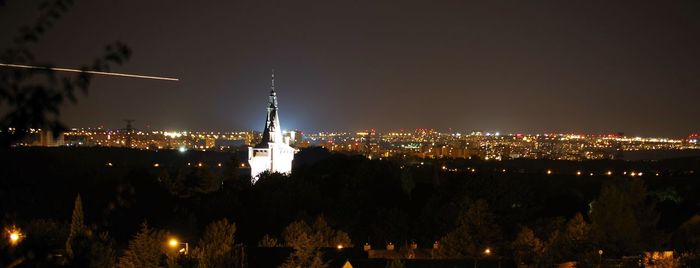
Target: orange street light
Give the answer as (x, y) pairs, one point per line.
(340, 246)
(487, 251)
(14, 235)
(175, 244)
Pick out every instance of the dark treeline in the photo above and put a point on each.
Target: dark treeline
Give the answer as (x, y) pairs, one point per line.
(513, 207)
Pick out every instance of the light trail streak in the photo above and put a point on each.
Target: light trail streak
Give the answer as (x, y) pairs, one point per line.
(89, 72)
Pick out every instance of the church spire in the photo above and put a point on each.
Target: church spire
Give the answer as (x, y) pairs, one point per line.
(272, 85)
(273, 93)
(272, 154)
(273, 130)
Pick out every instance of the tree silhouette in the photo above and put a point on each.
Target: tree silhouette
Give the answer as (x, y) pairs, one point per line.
(527, 248)
(33, 97)
(619, 217)
(476, 230)
(325, 236)
(297, 233)
(687, 237)
(77, 226)
(215, 248)
(146, 249)
(569, 242)
(306, 241)
(83, 248)
(93, 251)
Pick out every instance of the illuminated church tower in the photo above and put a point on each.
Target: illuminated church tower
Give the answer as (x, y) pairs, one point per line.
(272, 153)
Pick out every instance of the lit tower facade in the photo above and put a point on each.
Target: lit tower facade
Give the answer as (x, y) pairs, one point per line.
(272, 153)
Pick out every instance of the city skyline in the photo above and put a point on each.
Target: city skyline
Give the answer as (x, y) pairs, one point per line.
(555, 68)
(376, 130)
(349, 133)
(421, 143)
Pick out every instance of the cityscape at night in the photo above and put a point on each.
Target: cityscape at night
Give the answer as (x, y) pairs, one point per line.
(341, 134)
(421, 143)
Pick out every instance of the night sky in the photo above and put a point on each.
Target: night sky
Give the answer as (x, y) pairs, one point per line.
(509, 66)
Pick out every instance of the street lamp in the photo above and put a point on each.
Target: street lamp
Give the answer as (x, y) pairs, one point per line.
(14, 235)
(487, 253)
(174, 244)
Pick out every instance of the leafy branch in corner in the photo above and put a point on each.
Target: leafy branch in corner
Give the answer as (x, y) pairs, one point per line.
(33, 97)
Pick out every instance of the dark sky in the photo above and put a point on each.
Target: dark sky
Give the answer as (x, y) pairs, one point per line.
(509, 66)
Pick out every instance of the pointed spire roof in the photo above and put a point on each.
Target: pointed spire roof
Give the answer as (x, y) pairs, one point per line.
(273, 130)
(272, 84)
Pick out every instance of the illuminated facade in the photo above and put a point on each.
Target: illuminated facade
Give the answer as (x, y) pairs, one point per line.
(272, 153)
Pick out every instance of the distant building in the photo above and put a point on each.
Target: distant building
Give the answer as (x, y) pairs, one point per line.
(272, 153)
(293, 137)
(227, 144)
(47, 139)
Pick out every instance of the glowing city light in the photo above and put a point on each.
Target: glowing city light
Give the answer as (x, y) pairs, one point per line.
(172, 134)
(14, 235)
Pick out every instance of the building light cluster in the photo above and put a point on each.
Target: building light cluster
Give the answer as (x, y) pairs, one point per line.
(492, 146)
(418, 143)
